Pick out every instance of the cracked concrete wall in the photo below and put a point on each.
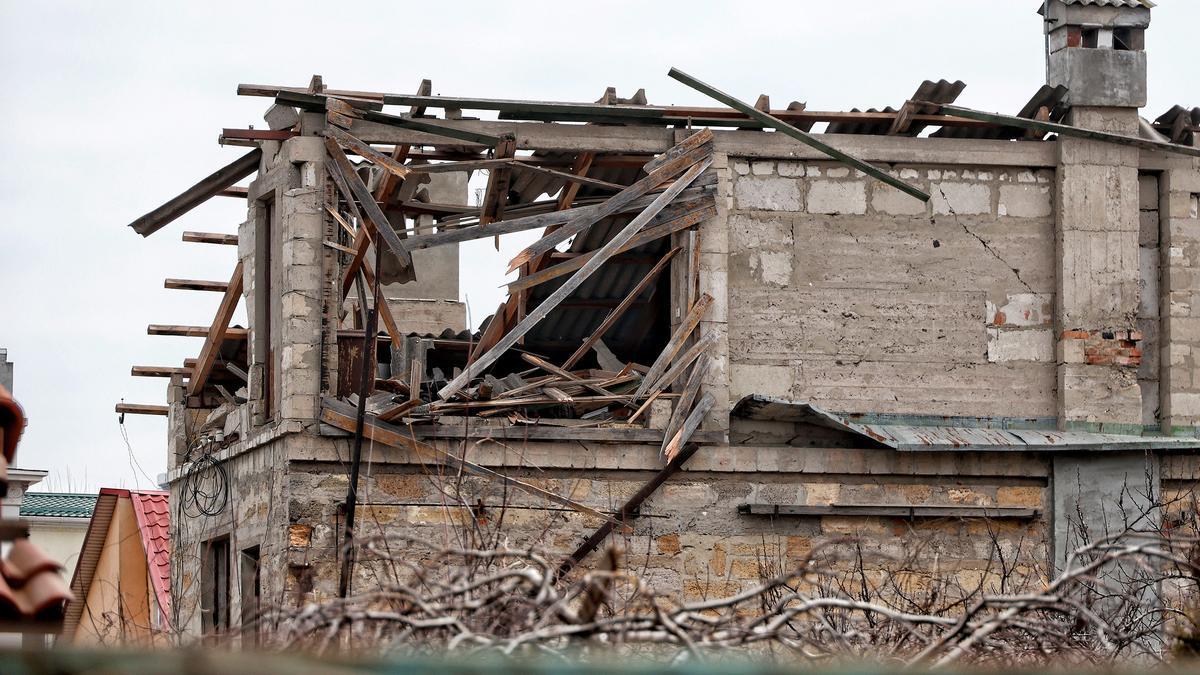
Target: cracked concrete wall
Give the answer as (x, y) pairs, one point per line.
(849, 293)
(1099, 276)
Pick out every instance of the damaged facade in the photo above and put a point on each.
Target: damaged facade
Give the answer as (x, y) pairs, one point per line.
(730, 339)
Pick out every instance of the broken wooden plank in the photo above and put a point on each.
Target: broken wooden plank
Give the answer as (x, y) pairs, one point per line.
(690, 425)
(441, 128)
(566, 267)
(628, 511)
(341, 415)
(575, 178)
(525, 223)
(231, 332)
(656, 389)
(564, 374)
(211, 238)
(784, 128)
(582, 164)
(675, 344)
(141, 409)
(199, 193)
(618, 311)
(687, 397)
(216, 332)
(365, 151)
(195, 285)
(353, 189)
(158, 371)
(618, 201)
(609, 249)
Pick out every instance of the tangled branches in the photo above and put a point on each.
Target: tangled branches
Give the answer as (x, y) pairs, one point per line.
(1108, 604)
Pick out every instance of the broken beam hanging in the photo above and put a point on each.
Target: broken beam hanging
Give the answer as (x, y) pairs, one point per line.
(209, 187)
(158, 371)
(231, 332)
(1065, 130)
(791, 131)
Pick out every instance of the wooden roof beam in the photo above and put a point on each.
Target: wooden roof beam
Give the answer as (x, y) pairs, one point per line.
(141, 409)
(211, 238)
(195, 285)
(214, 184)
(231, 332)
(216, 332)
(159, 371)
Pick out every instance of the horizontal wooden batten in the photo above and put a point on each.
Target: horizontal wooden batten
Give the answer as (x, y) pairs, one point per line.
(891, 511)
(196, 285)
(232, 333)
(211, 238)
(141, 409)
(158, 371)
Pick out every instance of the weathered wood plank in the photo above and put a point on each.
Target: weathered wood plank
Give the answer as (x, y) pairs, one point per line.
(195, 285)
(604, 253)
(199, 193)
(682, 222)
(231, 332)
(141, 409)
(217, 332)
(353, 189)
(366, 152)
(690, 425)
(618, 201)
(211, 238)
(158, 371)
(678, 339)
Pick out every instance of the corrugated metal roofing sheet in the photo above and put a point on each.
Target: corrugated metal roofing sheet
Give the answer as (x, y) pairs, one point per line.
(57, 505)
(1112, 3)
(950, 437)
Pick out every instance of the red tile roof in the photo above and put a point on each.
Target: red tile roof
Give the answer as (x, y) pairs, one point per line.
(154, 522)
(31, 583)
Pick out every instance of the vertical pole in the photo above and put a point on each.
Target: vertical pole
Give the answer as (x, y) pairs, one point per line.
(370, 340)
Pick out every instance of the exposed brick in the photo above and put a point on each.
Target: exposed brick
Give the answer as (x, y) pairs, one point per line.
(668, 544)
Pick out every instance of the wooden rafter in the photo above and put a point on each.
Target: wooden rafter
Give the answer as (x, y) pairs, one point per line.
(605, 252)
(231, 332)
(195, 285)
(211, 238)
(214, 184)
(216, 333)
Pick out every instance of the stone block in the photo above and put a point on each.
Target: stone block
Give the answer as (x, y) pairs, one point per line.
(772, 268)
(767, 380)
(963, 199)
(1149, 284)
(1025, 201)
(1148, 192)
(1025, 496)
(762, 168)
(1020, 345)
(754, 231)
(1148, 225)
(790, 169)
(888, 200)
(832, 197)
(767, 194)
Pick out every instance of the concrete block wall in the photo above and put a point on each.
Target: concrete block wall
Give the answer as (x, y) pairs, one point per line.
(846, 292)
(1098, 230)
(1180, 294)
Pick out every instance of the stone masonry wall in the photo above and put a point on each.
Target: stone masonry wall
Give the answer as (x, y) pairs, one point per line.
(690, 541)
(847, 292)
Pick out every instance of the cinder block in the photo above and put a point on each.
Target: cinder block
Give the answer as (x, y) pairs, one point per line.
(1025, 201)
(1147, 192)
(762, 168)
(767, 194)
(964, 199)
(831, 197)
(889, 200)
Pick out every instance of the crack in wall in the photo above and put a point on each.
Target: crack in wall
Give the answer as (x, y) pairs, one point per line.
(987, 247)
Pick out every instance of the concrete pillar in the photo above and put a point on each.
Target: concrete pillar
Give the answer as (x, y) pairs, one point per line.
(714, 280)
(1179, 206)
(431, 303)
(1098, 274)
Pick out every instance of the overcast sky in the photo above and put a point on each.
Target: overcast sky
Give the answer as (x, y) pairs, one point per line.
(111, 108)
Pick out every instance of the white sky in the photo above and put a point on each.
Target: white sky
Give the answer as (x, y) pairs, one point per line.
(110, 108)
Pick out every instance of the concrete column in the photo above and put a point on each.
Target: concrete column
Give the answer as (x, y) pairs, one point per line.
(1098, 273)
(431, 303)
(1179, 206)
(301, 222)
(714, 280)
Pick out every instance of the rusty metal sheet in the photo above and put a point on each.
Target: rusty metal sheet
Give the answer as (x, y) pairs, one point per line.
(925, 438)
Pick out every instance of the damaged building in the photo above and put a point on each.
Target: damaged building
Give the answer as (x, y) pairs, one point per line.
(745, 326)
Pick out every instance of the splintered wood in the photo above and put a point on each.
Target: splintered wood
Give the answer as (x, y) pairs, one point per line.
(494, 374)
